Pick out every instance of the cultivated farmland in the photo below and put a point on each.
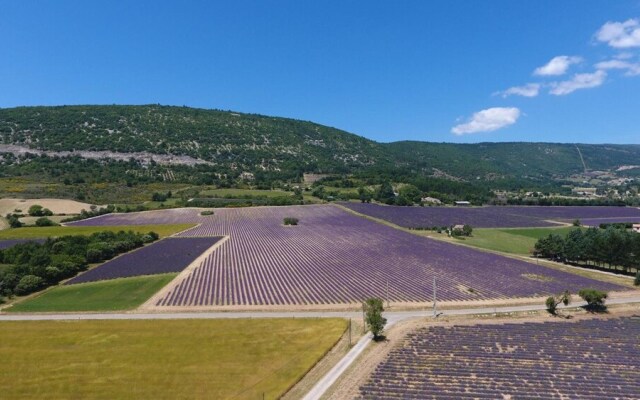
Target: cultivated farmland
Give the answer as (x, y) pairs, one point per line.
(492, 216)
(5, 244)
(592, 359)
(335, 257)
(170, 216)
(161, 359)
(109, 295)
(167, 255)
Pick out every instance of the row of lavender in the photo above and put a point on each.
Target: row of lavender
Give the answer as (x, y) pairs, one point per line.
(592, 359)
(333, 256)
(5, 244)
(494, 216)
(167, 255)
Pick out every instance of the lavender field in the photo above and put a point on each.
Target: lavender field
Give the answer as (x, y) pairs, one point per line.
(493, 216)
(5, 244)
(167, 255)
(335, 257)
(156, 217)
(592, 359)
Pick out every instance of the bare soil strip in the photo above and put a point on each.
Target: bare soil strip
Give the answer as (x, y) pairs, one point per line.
(57, 206)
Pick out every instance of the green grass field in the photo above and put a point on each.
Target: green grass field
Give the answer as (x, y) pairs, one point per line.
(54, 231)
(161, 359)
(109, 295)
(514, 241)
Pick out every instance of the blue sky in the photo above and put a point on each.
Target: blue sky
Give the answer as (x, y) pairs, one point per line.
(445, 71)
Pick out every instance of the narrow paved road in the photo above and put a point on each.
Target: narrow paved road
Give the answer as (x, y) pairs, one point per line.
(392, 316)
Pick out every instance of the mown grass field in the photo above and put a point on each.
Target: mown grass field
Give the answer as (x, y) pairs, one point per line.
(109, 295)
(161, 359)
(513, 241)
(54, 231)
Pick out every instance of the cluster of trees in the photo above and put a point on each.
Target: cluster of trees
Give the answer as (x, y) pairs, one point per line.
(33, 266)
(37, 210)
(44, 221)
(407, 195)
(466, 230)
(14, 220)
(612, 247)
(290, 221)
(93, 212)
(156, 196)
(595, 300)
(243, 202)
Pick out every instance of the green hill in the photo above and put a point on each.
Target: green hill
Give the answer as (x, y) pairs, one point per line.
(192, 145)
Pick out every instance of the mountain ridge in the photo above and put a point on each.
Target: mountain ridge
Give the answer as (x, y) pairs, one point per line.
(243, 142)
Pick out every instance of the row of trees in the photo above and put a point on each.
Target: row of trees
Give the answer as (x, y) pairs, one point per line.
(93, 212)
(595, 300)
(33, 266)
(613, 247)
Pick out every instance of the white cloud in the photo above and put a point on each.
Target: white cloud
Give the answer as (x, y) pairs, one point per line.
(579, 81)
(528, 90)
(623, 56)
(488, 120)
(620, 35)
(557, 66)
(631, 69)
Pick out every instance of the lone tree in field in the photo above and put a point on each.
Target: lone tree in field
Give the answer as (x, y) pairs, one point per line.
(553, 301)
(594, 298)
(373, 310)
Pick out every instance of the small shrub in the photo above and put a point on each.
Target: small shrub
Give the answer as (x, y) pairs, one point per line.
(595, 298)
(14, 221)
(637, 280)
(44, 221)
(29, 284)
(147, 239)
(207, 212)
(35, 210)
(291, 221)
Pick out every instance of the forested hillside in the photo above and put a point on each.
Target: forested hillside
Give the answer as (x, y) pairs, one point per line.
(189, 145)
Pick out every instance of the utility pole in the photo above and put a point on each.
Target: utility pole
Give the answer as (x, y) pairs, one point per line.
(435, 313)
